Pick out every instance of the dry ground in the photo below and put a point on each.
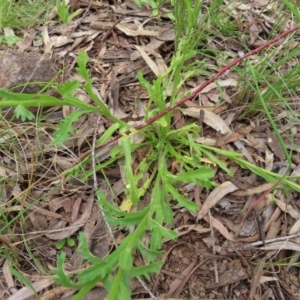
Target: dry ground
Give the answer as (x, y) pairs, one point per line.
(215, 257)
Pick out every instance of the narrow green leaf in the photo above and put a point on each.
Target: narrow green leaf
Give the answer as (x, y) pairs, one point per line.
(146, 270)
(60, 244)
(126, 261)
(23, 279)
(189, 205)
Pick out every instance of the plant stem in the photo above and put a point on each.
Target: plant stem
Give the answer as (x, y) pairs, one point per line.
(197, 91)
(115, 288)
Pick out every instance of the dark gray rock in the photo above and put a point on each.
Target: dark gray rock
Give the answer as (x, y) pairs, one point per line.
(24, 72)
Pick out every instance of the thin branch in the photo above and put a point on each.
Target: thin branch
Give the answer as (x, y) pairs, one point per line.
(198, 90)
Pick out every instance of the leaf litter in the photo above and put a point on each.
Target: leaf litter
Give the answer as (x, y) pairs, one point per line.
(118, 49)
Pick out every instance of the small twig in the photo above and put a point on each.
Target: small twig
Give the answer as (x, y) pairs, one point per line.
(213, 247)
(197, 91)
(260, 226)
(259, 243)
(278, 288)
(109, 31)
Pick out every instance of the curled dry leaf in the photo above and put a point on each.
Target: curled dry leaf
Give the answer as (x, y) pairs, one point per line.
(68, 231)
(8, 277)
(220, 227)
(176, 284)
(218, 83)
(25, 292)
(257, 273)
(282, 245)
(256, 190)
(287, 208)
(234, 274)
(210, 119)
(295, 228)
(264, 279)
(184, 229)
(138, 30)
(159, 67)
(206, 141)
(216, 195)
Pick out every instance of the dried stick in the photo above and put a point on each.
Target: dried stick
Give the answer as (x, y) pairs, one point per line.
(197, 91)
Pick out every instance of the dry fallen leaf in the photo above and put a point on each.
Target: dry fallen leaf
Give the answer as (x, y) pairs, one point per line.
(25, 292)
(210, 119)
(69, 230)
(216, 195)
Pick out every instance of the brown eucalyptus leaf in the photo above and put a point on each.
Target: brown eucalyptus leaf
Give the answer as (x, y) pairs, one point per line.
(216, 195)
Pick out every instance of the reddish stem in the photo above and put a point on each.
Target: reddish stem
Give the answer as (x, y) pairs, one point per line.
(198, 90)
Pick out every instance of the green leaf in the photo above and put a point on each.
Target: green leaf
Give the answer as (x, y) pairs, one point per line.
(198, 176)
(65, 127)
(85, 251)
(108, 134)
(63, 278)
(131, 181)
(23, 113)
(23, 279)
(146, 269)
(71, 242)
(126, 261)
(85, 289)
(10, 40)
(156, 239)
(14, 99)
(150, 254)
(60, 244)
(82, 61)
(125, 292)
(68, 88)
(189, 205)
(162, 121)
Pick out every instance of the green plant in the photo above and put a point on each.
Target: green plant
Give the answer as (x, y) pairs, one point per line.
(63, 11)
(165, 147)
(67, 241)
(23, 13)
(9, 40)
(155, 5)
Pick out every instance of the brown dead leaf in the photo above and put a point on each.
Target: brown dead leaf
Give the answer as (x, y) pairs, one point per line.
(184, 229)
(216, 195)
(257, 273)
(238, 134)
(244, 150)
(234, 274)
(75, 209)
(288, 208)
(10, 284)
(255, 190)
(159, 67)
(136, 30)
(179, 121)
(206, 141)
(43, 211)
(26, 292)
(282, 245)
(176, 284)
(210, 119)
(275, 145)
(72, 228)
